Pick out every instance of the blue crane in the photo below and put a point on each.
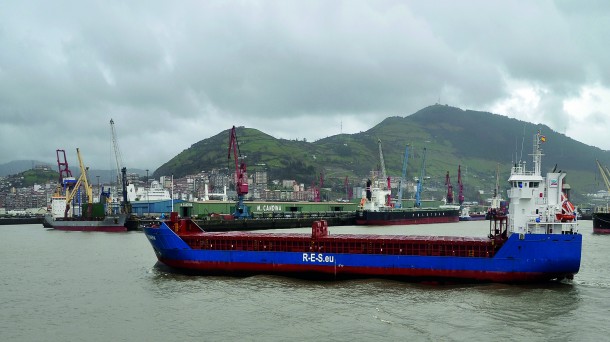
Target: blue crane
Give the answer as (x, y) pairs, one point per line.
(402, 180)
(420, 181)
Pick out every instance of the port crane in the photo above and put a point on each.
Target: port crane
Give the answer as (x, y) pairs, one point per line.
(605, 174)
(66, 180)
(348, 191)
(420, 181)
(318, 194)
(384, 176)
(82, 180)
(241, 180)
(449, 198)
(121, 171)
(402, 180)
(460, 186)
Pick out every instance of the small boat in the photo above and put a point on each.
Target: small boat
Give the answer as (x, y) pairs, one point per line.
(529, 245)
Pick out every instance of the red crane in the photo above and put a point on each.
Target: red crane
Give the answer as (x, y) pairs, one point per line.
(449, 189)
(348, 191)
(460, 186)
(64, 171)
(316, 189)
(66, 180)
(241, 179)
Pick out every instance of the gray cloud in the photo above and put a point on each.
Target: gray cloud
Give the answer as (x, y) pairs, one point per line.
(171, 74)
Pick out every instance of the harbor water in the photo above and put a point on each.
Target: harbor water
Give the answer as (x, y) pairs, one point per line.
(78, 286)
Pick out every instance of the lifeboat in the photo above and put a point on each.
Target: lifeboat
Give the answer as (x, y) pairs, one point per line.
(565, 217)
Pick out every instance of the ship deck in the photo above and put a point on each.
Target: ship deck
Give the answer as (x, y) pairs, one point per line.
(344, 243)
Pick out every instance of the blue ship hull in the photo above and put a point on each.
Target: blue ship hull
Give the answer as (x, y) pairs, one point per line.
(525, 258)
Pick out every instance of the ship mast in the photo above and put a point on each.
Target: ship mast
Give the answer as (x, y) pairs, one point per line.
(537, 155)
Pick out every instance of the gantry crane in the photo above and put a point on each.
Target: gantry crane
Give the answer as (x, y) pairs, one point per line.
(402, 181)
(241, 180)
(420, 181)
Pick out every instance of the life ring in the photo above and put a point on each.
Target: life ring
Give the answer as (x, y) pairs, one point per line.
(362, 202)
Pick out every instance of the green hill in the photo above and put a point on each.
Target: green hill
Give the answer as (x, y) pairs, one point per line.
(28, 178)
(478, 141)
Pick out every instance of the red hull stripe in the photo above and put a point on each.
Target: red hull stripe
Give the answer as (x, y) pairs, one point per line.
(237, 268)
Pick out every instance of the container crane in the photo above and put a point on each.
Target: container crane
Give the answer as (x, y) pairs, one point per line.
(241, 180)
(402, 180)
(460, 186)
(121, 171)
(449, 198)
(420, 180)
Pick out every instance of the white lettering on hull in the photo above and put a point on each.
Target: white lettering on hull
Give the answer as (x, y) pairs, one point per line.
(318, 257)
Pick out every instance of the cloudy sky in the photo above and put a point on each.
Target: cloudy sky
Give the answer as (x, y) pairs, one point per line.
(171, 73)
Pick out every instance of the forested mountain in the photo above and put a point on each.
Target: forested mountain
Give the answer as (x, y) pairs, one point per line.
(478, 141)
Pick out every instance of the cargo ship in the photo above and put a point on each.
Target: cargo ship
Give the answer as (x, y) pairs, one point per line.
(109, 223)
(375, 210)
(601, 214)
(72, 206)
(601, 221)
(98, 220)
(466, 215)
(537, 242)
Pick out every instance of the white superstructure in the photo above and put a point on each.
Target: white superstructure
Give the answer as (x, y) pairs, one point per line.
(155, 192)
(374, 198)
(538, 204)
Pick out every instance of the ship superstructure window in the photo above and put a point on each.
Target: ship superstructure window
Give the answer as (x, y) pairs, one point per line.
(518, 184)
(533, 184)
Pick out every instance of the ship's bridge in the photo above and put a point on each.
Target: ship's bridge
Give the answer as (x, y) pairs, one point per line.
(525, 185)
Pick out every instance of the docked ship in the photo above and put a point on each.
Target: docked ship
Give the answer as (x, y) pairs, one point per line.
(466, 215)
(537, 242)
(601, 214)
(601, 220)
(156, 192)
(72, 206)
(374, 210)
(104, 223)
